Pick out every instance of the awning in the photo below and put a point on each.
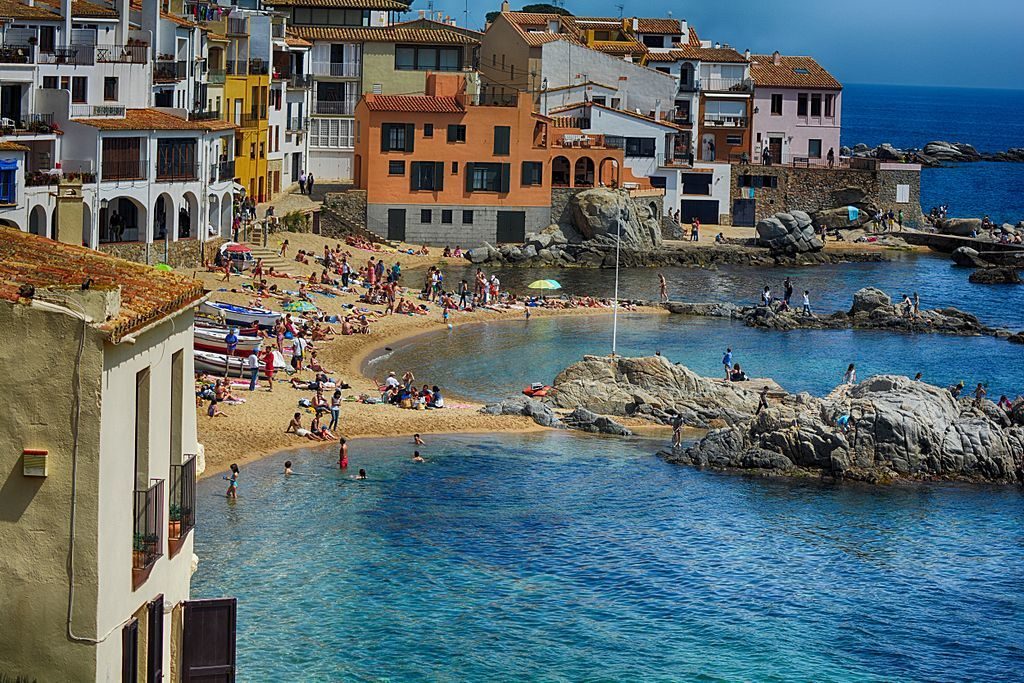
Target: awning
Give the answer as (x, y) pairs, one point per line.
(238, 188)
(8, 164)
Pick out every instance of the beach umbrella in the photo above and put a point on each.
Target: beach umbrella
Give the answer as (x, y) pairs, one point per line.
(236, 248)
(299, 307)
(164, 267)
(544, 284)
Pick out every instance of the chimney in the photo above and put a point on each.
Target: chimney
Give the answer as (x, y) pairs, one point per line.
(683, 30)
(718, 45)
(636, 24)
(151, 22)
(505, 6)
(746, 54)
(423, 14)
(776, 58)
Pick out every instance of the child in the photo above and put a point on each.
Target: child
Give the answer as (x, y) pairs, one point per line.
(417, 440)
(232, 481)
(213, 410)
(343, 455)
(288, 467)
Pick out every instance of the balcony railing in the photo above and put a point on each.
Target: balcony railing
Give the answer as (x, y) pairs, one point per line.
(727, 85)
(97, 111)
(237, 68)
(181, 517)
(77, 55)
(171, 173)
(337, 69)
(251, 120)
(122, 54)
(725, 121)
(343, 107)
(792, 160)
(124, 170)
(497, 99)
(296, 123)
(673, 161)
(208, 115)
(17, 54)
(148, 527)
(299, 81)
(238, 27)
(258, 67)
(216, 76)
(581, 141)
(226, 170)
(170, 71)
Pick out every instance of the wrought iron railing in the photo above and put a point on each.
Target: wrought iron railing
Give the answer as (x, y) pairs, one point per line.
(124, 170)
(344, 107)
(148, 527)
(258, 67)
(97, 111)
(337, 69)
(299, 80)
(237, 68)
(181, 516)
(726, 85)
(206, 115)
(170, 71)
(226, 170)
(296, 123)
(78, 55)
(169, 173)
(725, 121)
(122, 54)
(16, 54)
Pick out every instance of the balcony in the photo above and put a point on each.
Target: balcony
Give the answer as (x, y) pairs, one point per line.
(673, 161)
(226, 170)
(296, 123)
(124, 170)
(216, 76)
(148, 528)
(337, 69)
(344, 107)
(170, 71)
(122, 54)
(299, 81)
(17, 54)
(238, 27)
(743, 85)
(181, 517)
(177, 173)
(250, 120)
(690, 86)
(208, 115)
(580, 141)
(492, 99)
(258, 67)
(237, 68)
(77, 55)
(98, 111)
(31, 123)
(725, 121)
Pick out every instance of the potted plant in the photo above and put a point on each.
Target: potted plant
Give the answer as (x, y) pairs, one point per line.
(139, 551)
(174, 525)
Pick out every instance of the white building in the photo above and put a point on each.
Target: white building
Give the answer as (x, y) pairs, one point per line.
(290, 101)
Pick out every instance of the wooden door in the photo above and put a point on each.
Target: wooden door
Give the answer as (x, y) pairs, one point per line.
(396, 225)
(775, 149)
(155, 642)
(511, 227)
(208, 641)
(130, 652)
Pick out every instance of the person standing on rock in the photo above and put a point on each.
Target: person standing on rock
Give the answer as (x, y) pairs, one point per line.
(662, 287)
(979, 395)
(807, 303)
(831, 157)
(787, 291)
(762, 400)
(766, 296)
(677, 430)
(851, 375)
(727, 362)
(899, 219)
(917, 305)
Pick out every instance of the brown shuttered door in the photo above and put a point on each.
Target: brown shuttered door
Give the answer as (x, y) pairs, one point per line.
(155, 642)
(208, 641)
(130, 652)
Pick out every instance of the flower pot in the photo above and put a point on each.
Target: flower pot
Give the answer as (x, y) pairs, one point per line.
(174, 529)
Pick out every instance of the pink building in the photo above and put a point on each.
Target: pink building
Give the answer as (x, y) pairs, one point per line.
(797, 110)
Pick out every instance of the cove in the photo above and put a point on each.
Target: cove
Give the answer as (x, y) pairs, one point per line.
(566, 557)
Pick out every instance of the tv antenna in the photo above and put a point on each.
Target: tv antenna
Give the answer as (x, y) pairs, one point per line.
(621, 7)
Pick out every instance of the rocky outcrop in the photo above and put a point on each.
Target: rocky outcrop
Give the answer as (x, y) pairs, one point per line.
(788, 233)
(961, 227)
(521, 405)
(601, 213)
(995, 276)
(584, 420)
(968, 258)
(897, 429)
(935, 153)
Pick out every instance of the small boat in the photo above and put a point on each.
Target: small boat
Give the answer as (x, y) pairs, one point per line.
(211, 339)
(537, 390)
(240, 316)
(214, 364)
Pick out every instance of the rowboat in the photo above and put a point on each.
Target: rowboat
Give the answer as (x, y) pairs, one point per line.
(214, 364)
(211, 339)
(240, 316)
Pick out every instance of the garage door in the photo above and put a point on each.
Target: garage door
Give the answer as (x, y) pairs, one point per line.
(704, 209)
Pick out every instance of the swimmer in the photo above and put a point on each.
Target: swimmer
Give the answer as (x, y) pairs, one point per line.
(417, 440)
(288, 467)
(416, 457)
(343, 455)
(361, 475)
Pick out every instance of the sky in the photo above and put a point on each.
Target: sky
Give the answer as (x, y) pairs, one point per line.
(955, 43)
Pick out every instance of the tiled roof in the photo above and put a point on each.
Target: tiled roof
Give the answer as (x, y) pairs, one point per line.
(147, 294)
(523, 22)
(180, 21)
(20, 10)
(217, 38)
(153, 119)
(425, 23)
(295, 41)
(383, 34)
(709, 54)
(8, 146)
(413, 103)
(391, 5)
(694, 38)
(767, 74)
(624, 112)
(665, 26)
(619, 47)
(83, 9)
(581, 85)
(662, 56)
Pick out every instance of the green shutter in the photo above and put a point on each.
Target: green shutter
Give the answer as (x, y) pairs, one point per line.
(385, 129)
(414, 181)
(438, 175)
(506, 172)
(467, 168)
(410, 136)
(501, 140)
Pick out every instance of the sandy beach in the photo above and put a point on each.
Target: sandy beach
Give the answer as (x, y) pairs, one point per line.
(256, 428)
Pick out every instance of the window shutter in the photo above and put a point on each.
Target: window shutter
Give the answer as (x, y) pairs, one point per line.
(469, 176)
(438, 175)
(410, 136)
(385, 132)
(524, 174)
(506, 171)
(414, 181)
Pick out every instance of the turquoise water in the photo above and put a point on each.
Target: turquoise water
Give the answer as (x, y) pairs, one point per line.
(561, 557)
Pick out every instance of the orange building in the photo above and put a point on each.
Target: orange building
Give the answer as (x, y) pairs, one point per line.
(441, 169)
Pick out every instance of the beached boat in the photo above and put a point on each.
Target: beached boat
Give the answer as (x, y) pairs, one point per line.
(241, 316)
(537, 390)
(214, 363)
(211, 339)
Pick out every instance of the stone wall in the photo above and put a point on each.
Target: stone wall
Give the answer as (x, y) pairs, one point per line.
(183, 253)
(343, 211)
(560, 198)
(484, 226)
(814, 189)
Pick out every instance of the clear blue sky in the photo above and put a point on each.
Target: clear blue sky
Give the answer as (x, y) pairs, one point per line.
(976, 43)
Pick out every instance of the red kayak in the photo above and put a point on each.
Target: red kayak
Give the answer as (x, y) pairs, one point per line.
(538, 390)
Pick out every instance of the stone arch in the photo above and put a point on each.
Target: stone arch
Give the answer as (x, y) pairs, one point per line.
(164, 218)
(609, 172)
(131, 224)
(212, 225)
(561, 172)
(584, 172)
(37, 221)
(8, 223)
(86, 225)
(226, 207)
(188, 217)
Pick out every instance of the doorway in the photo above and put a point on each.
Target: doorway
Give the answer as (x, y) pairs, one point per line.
(396, 225)
(511, 227)
(775, 150)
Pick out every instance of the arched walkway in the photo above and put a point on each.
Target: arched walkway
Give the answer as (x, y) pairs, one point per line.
(212, 225)
(561, 172)
(86, 225)
(163, 216)
(226, 207)
(123, 219)
(188, 216)
(37, 221)
(609, 172)
(584, 175)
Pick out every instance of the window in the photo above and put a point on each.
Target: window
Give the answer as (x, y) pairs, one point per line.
(428, 130)
(446, 216)
(252, 150)
(903, 194)
(426, 216)
(533, 173)
(8, 188)
(110, 89)
(455, 168)
(599, 100)
(397, 137)
(697, 183)
(467, 217)
(816, 104)
(79, 89)
(456, 133)
(142, 430)
(663, 69)
(800, 71)
(658, 182)
(777, 105)
(502, 136)
(50, 82)
(801, 104)
(734, 139)
(814, 149)
(396, 168)
(654, 41)
(639, 147)
(487, 177)
(426, 175)
(830, 105)
(331, 133)
(176, 159)
(412, 58)
(767, 181)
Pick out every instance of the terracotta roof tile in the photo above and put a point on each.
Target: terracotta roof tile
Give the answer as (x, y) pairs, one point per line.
(153, 119)
(147, 295)
(694, 38)
(84, 9)
(665, 26)
(725, 55)
(20, 10)
(390, 5)
(624, 112)
(790, 73)
(619, 47)
(383, 34)
(425, 23)
(217, 38)
(295, 41)
(414, 103)
(662, 56)
(9, 146)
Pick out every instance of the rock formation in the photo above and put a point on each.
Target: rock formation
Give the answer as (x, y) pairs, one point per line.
(935, 153)
(961, 227)
(995, 276)
(521, 405)
(788, 233)
(600, 213)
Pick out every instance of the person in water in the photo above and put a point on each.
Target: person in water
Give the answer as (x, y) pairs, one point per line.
(343, 455)
(417, 440)
(677, 430)
(361, 475)
(416, 457)
(232, 480)
(288, 467)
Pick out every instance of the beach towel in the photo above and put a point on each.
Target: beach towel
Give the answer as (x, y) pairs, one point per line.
(853, 213)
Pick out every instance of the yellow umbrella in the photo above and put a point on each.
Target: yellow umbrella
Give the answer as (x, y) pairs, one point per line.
(544, 284)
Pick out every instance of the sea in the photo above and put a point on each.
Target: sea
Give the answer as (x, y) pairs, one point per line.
(910, 116)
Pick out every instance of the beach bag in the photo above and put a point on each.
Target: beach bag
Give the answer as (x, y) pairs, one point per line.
(305, 403)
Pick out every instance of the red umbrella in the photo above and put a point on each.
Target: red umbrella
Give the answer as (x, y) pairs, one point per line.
(238, 248)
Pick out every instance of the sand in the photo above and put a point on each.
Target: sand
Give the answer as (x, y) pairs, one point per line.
(257, 428)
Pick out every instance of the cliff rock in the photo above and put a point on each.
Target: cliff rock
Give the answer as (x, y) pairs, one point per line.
(597, 215)
(788, 233)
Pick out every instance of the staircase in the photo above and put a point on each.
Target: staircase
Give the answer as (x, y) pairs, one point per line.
(254, 238)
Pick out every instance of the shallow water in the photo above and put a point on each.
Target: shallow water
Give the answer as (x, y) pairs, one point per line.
(562, 557)
(496, 360)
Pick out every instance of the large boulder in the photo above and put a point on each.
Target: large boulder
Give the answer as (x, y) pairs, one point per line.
(995, 276)
(960, 227)
(839, 216)
(788, 233)
(967, 257)
(587, 421)
(869, 299)
(522, 405)
(602, 213)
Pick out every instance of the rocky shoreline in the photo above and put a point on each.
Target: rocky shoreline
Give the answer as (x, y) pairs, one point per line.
(885, 429)
(933, 154)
